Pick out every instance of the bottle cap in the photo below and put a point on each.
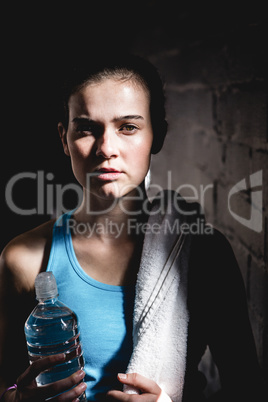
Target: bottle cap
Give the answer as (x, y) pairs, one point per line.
(45, 286)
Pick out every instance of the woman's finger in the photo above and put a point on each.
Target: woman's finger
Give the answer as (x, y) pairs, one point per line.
(37, 367)
(70, 387)
(138, 381)
(55, 388)
(146, 397)
(71, 395)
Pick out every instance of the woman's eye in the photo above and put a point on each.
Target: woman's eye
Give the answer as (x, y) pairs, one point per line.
(89, 130)
(84, 129)
(129, 128)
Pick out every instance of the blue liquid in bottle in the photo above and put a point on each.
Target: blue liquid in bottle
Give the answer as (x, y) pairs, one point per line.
(53, 328)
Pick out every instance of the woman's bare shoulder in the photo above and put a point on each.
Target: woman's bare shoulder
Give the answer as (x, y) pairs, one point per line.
(24, 256)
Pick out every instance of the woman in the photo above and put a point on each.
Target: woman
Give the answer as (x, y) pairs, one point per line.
(150, 295)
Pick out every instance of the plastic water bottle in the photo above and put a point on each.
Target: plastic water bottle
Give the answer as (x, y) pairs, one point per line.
(53, 328)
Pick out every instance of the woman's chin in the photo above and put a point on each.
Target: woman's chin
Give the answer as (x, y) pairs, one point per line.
(112, 191)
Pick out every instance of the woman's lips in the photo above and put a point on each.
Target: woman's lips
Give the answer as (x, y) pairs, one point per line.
(107, 174)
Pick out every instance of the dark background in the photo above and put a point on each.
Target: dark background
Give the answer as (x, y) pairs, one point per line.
(213, 60)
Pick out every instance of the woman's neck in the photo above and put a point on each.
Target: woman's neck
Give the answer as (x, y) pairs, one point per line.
(115, 219)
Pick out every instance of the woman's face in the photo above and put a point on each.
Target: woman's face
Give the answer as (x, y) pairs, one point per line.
(109, 137)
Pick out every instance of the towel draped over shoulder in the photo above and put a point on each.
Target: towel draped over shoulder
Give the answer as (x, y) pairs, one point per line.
(160, 322)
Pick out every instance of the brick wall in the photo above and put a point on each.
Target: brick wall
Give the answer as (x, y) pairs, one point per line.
(217, 115)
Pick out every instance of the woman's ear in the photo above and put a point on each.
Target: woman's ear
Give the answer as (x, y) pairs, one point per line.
(63, 136)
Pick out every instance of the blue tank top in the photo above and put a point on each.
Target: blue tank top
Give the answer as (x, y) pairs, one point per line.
(104, 312)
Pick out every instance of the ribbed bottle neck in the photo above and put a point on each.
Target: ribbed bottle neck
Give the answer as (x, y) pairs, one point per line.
(50, 300)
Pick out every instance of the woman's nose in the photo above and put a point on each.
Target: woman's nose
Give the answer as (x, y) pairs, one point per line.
(107, 146)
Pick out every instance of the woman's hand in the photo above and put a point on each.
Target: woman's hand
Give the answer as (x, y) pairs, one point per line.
(28, 391)
(149, 390)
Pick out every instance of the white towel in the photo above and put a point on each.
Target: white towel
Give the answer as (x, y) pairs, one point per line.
(160, 311)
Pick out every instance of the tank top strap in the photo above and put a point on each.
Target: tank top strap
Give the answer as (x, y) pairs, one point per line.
(58, 255)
